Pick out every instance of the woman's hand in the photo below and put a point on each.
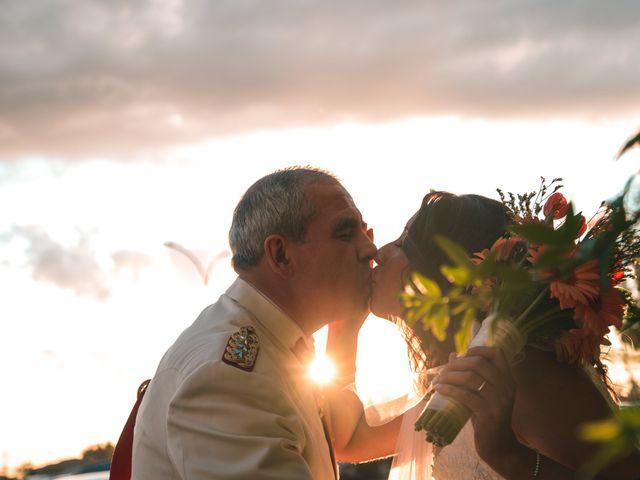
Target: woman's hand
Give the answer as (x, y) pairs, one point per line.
(482, 381)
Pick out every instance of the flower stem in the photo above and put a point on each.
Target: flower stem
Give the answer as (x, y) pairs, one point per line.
(533, 324)
(533, 304)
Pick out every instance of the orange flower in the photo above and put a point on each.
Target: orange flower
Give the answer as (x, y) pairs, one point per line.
(535, 251)
(556, 206)
(479, 257)
(577, 344)
(504, 246)
(580, 289)
(606, 311)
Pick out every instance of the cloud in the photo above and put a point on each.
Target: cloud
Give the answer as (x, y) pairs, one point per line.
(130, 259)
(98, 77)
(72, 267)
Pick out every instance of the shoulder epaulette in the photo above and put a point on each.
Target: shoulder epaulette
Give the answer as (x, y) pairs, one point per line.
(242, 349)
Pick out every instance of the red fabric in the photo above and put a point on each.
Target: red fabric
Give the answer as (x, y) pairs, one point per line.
(121, 461)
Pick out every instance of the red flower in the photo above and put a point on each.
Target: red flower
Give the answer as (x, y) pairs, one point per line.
(606, 311)
(616, 277)
(556, 206)
(580, 289)
(583, 226)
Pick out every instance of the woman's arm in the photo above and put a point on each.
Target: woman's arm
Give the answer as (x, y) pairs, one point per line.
(354, 440)
(551, 401)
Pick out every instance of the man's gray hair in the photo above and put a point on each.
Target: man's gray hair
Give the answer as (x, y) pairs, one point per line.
(275, 204)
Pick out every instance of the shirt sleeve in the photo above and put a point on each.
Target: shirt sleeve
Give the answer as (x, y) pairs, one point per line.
(225, 423)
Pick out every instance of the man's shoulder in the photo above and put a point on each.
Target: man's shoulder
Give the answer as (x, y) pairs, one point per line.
(206, 339)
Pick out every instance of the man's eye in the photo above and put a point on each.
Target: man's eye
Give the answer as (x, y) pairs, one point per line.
(345, 235)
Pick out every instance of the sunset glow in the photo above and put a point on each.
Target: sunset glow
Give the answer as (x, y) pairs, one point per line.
(129, 125)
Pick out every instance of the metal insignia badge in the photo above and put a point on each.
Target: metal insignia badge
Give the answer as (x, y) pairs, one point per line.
(242, 349)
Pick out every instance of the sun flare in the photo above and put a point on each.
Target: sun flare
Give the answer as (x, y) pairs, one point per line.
(382, 367)
(322, 370)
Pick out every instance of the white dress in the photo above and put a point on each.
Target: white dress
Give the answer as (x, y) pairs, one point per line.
(459, 460)
(416, 459)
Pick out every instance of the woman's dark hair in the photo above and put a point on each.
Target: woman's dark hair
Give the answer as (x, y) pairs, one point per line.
(473, 222)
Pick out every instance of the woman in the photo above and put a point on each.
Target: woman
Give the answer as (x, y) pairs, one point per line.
(525, 417)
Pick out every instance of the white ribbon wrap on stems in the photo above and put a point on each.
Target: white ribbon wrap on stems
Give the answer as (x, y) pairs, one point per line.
(443, 417)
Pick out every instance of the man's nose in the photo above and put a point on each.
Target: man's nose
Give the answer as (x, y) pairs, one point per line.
(369, 250)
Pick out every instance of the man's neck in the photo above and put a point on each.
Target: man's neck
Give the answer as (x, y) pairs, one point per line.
(284, 299)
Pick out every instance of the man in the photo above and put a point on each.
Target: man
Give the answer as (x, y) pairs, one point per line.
(231, 399)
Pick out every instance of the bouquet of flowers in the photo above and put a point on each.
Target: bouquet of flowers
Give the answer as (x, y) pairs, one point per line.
(553, 279)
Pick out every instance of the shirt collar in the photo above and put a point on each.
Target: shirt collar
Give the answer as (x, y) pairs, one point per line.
(283, 329)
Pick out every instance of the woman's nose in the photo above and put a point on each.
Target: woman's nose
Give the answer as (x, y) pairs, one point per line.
(381, 255)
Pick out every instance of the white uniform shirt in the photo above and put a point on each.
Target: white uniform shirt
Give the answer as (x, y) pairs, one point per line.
(202, 418)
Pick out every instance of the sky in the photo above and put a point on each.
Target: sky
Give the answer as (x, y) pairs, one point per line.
(125, 125)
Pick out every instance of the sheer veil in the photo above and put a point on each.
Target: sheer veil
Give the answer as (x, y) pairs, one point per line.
(413, 457)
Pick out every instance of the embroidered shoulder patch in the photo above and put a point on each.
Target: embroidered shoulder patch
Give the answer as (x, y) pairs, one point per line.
(242, 349)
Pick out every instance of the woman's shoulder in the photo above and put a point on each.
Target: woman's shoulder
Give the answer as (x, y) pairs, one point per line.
(539, 364)
(553, 399)
(541, 373)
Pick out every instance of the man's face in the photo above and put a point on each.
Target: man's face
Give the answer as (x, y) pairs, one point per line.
(334, 262)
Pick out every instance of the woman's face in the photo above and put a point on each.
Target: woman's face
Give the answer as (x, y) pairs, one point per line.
(392, 265)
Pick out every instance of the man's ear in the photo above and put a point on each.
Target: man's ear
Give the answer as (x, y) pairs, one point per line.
(277, 255)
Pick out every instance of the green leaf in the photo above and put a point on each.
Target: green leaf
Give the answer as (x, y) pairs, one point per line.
(516, 277)
(486, 268)
(618, 436)
(538, 233)
(630, 417)
(608, 453)
(463, 336)
(571, 225)
(439, 321)
(600, 431)
(456, 275)
(555, 259)
(426, 286)
(455, 252)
